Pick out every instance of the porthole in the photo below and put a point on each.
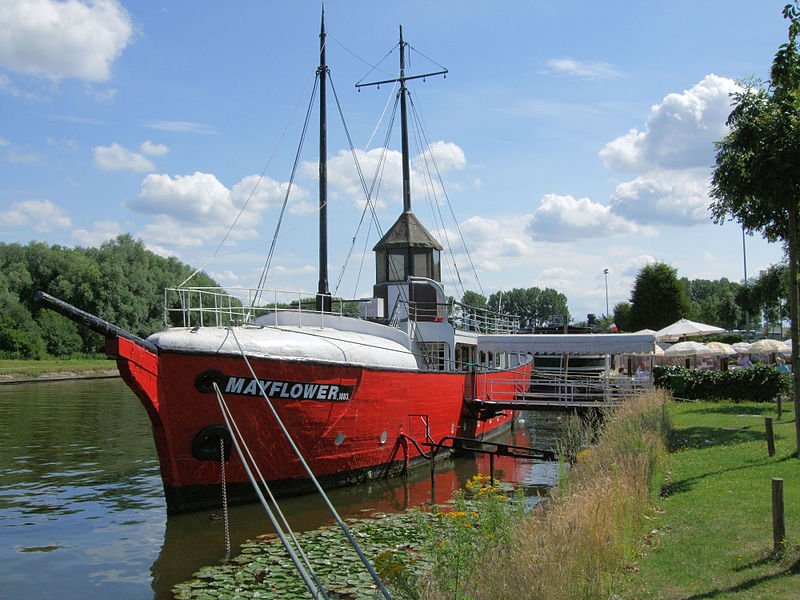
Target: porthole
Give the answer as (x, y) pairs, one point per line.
(339, 439)
(384, 436)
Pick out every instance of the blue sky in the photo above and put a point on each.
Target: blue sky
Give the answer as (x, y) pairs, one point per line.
(572, 137)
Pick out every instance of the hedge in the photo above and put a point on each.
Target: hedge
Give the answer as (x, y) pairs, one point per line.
(758, 383)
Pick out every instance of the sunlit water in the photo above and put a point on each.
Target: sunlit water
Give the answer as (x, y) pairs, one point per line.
(82, 513)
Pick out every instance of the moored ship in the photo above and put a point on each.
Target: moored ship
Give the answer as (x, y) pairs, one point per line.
(359, 396)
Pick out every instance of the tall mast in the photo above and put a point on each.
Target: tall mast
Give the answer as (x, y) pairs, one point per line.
(403, 116)
(404, 127)
(323, 294)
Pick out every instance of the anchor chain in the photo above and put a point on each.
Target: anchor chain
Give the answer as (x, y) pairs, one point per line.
(226, 524)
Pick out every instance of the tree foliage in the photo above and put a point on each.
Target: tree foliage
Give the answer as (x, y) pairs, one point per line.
(756, 180)
(658, 298)
(121, 282)
(534, 306)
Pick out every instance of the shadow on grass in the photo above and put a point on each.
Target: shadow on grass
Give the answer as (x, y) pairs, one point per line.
(676, 487)
(733, 408)
(705, 437)
(792, 568)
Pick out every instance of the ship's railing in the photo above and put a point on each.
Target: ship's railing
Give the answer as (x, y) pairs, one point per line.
(482, 320)
(217, 307)
(553, 389)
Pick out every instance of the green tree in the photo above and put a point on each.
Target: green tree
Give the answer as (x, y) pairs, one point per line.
(756, 180)
(622, 316)
(474, 299)
(533, 305)
(714, 302)
(658, 298)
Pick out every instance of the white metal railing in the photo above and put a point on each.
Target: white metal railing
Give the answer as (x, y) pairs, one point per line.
(217, 307)
(482, 320)
(560, 389)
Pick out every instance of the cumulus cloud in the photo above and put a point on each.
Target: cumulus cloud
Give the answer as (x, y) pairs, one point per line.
(343, 180)
(57, 40)
(582, 68)
(493, 242)
(153, 149)
(189, 210)
(567, 219)
(666, 197)
(102, 231)
(41, 215)
(118, 158)
(181, 127)
(679, 133)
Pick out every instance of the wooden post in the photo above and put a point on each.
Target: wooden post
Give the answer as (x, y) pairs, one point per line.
(778, 523)
(770, 436)
(780, 406)
(491, 470)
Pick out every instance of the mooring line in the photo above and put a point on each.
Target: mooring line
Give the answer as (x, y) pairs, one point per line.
(272, 499)
(300, 569)
(365, 561)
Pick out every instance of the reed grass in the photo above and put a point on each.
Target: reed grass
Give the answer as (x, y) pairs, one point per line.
(577, 544)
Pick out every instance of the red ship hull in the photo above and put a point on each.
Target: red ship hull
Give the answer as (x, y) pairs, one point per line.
(351, 423)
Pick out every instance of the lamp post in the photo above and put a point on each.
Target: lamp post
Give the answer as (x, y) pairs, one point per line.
(605, 274)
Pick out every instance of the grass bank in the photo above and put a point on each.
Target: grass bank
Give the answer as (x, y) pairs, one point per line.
(578, 543)
(712, 534)
(11, 370)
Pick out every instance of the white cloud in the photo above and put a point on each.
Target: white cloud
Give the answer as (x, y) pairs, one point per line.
(152, 149)
(191, 210)
(181, 127)
(41, 215)
(63, 39)
(585, 69)
(664, 197)
(118, 158)
(566, 219)
(343, 180)
(102, 231)
(680, 131)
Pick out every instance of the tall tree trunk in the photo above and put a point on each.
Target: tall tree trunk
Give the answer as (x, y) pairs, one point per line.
(793, 313)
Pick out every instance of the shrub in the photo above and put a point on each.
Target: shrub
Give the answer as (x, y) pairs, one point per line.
(759, 383)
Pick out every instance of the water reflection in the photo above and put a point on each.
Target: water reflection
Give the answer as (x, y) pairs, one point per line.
(81, 506)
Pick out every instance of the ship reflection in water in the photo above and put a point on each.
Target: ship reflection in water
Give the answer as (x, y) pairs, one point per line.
(82, 511)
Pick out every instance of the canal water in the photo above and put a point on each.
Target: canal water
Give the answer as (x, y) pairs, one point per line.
(82, 513)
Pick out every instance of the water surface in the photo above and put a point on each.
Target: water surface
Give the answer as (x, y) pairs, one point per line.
(82, 513)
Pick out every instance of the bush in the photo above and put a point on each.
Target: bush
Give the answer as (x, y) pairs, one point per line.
(759, 383)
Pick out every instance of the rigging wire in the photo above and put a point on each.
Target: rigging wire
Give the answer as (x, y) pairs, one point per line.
(250, 195)
(449, 204)
(368, 191)
(271, 252)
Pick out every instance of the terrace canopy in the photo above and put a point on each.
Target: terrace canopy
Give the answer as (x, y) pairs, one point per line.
(569, 343)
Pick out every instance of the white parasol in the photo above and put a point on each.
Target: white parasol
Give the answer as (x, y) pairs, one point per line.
(741, 347)
(721, 349)
(687, 349)
(686, 328)
(767, 346)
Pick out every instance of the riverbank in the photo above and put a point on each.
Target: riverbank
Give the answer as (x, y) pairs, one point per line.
(28, 371)
(711, 534)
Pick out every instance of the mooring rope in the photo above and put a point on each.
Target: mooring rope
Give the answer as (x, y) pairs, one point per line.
(365, 561)
(314, 588)
(272, 499)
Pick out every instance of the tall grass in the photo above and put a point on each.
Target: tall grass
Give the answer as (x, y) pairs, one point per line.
(575, 545)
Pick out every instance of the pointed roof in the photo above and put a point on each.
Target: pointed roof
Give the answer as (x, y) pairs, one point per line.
(407, 232)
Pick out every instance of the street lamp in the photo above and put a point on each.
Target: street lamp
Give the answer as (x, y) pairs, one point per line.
(605, 273)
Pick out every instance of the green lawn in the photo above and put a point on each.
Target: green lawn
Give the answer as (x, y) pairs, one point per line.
(25, 369)
(712, 532)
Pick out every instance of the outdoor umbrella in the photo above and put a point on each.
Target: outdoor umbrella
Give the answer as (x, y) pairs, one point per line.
(767, 346)
(741, 347)
(686, 328)
(721, 349)
(687, 349)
